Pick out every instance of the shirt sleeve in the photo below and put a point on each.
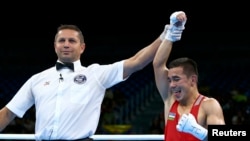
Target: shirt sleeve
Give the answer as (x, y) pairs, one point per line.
(109, 75)
(22, 100)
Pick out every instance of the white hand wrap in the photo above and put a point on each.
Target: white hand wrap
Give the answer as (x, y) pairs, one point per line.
(174, 21)
(188, 124)
(175, 29)
(173, 33)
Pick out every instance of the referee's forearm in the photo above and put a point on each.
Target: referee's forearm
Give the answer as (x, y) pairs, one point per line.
(6, 116)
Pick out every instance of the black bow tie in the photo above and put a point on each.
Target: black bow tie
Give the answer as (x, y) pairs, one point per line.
(63, 65)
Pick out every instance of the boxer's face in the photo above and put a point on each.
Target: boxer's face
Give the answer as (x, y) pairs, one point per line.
(179, 83)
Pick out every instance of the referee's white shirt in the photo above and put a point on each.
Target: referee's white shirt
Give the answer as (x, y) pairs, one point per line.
(67, 108)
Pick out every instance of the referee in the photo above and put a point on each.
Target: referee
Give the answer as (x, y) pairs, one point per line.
(68, 96)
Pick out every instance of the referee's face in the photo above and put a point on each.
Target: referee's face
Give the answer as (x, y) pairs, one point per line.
(68, 46)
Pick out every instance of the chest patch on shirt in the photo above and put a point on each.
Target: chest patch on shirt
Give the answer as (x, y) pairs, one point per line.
(171, 116)
(80, 79)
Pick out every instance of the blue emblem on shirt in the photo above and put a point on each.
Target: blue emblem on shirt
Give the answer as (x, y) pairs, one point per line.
(80, 79)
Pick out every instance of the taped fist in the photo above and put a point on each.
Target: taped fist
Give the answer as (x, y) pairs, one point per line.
(173, 34)
(178, 19)
(188, 124)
